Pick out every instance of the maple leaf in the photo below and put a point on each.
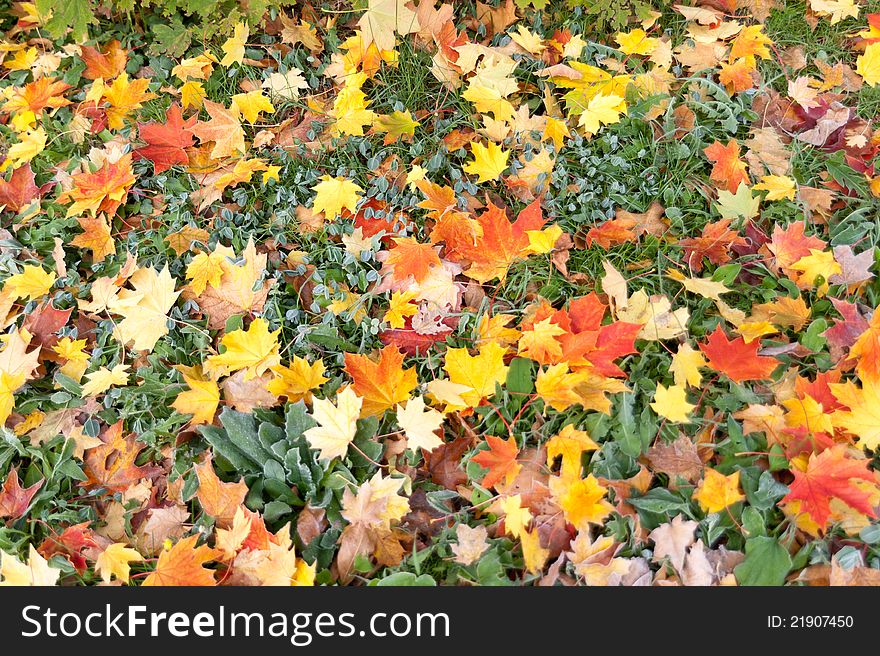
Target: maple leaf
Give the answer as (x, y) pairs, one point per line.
(112, 464)
(601, 110)
(499, 459)
(410, 258)
(332, 195)
(297, 380)
(714, 244)
(20, 191)
(789, 244)
(382, 382)
(44, 92)
(166, 142)
(202, 397)
(125, 97)
(501, 242)
(831, 474)
(33, 572)
(224, 130)
(254, 350)
(717, 491)
(105, 63)
(671, 403)
(218, 499)
(866, 352)
(183, 565)
(96, 237)
(489, 161)
(233, 47)
(14, 499)
(382, 19)
(33, 282)
(471, 542)
(737, 359)
(396, 126)
(144, 308)
(583, 502)
(101, 380)
(102, 191)
(114, 561)
(868, 64)
(862, 414)
(728, 169)
(251, 104)
(479, 373)
(420, 424)
(337, 424)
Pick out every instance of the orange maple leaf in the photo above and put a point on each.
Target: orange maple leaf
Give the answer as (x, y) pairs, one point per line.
(499, 459)
(224, 129)
(382, 383)
(789, 244)
(410, 258)
(218, 499)
(38, 95)
(183, 565)
(111, 465)
(106, 63)
(728, 170)
(102, 191)
(867, 351)
(714, 244)
(96, 237)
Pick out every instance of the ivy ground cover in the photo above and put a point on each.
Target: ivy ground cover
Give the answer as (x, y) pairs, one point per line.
(388, 292)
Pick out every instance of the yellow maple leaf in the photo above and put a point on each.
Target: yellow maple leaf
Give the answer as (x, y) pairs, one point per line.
(778, 187)
(861, 415)
(717, 491)
(479, 372)
(671, 403)
(818, 265)
(337, 424)
(686, 365)
(868, 64)
(32, 283)
(332, 195)
(516, 517)
(206, 269)
(383, 19)
(583, 501)
(399, 307)
(233, 47)
(297, 380)
(251, 104)
(125, 97)
(192, 94)
(489, 161)
(202, 397)
(145, 308)
(539, 343)
(9, 383)
(114, 561)
(534, 555)
(101, 380)
(602, 110)
(636, 42)
(255, 350)
(419, 424)
(35, 571)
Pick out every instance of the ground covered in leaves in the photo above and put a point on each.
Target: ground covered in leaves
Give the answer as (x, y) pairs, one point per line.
(388, 292)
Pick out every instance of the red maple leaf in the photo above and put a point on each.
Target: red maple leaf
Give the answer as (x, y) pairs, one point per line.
(830, 475)
(20, 191)
(14, 499)
(714, 244)
(71, 543)
(499, 459)
(166, 142)
(736, 359)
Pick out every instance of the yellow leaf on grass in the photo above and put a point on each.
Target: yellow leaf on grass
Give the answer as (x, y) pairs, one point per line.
(686, 365)
(332, 195)
(717, 491)
(337, 424)
(114, 561)
(489, 161)
(103, 379)
(419, 424)
(202, 397)
(671, 403)
(868, 64)
(255, 350)
(233, 48)
(32, 283)
(251, 104)
(297, 380)
(479, 372)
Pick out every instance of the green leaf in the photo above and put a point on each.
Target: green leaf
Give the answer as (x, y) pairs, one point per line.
(767, 563)
(74, 14)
